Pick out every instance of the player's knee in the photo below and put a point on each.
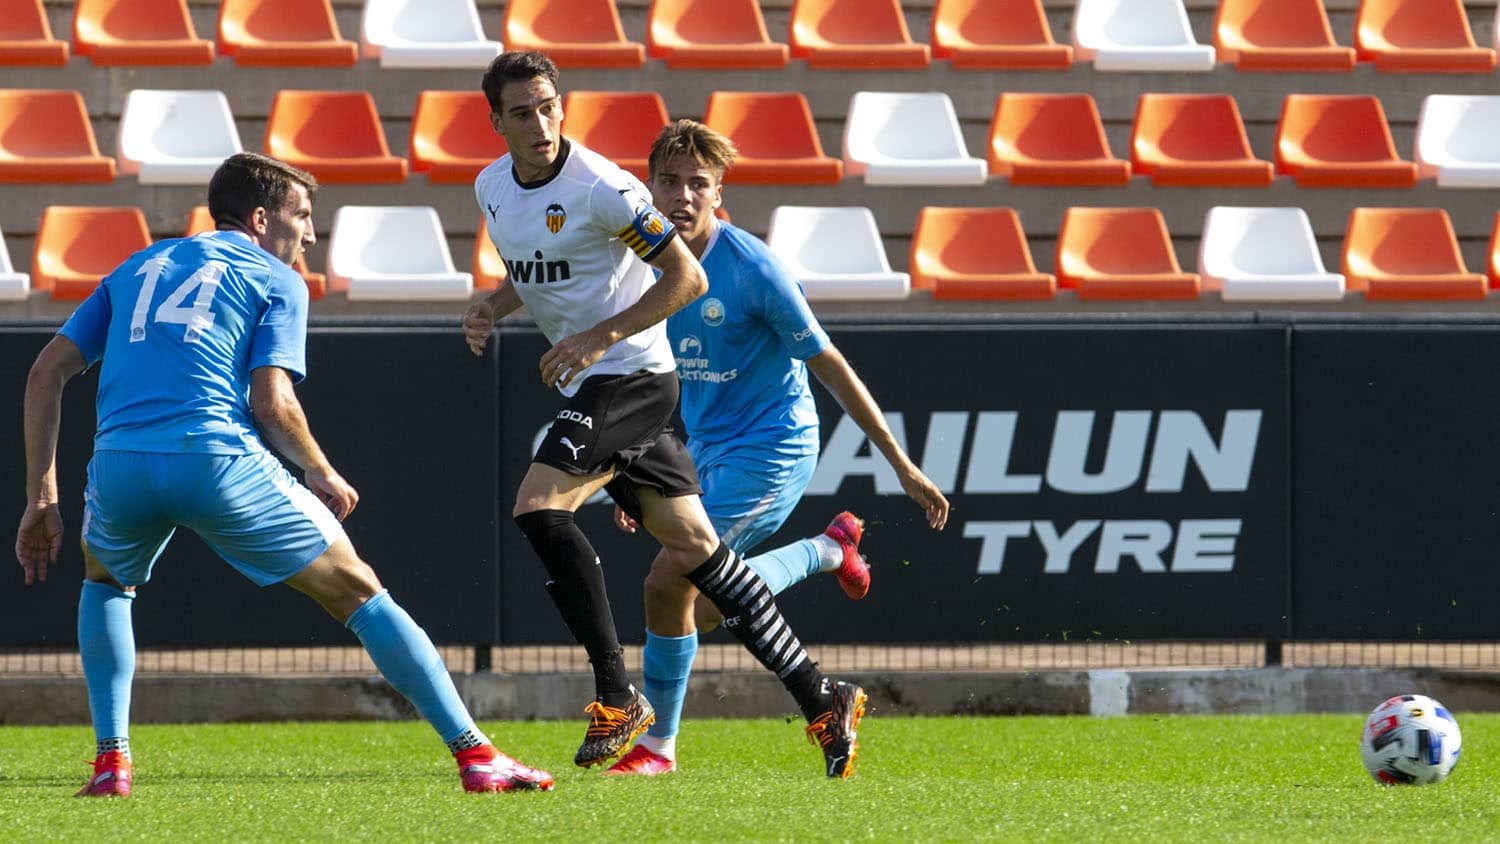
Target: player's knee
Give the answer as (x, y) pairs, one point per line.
(541, 527)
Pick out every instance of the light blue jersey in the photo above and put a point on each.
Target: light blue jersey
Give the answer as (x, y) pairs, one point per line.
(180, 325)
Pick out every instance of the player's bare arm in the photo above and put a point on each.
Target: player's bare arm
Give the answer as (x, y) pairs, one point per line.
(835, 373)
(279, 416)
(682, 280)
(39, 537)
(489, 309)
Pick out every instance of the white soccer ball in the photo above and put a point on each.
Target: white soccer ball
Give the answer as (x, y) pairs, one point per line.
(1410, 740)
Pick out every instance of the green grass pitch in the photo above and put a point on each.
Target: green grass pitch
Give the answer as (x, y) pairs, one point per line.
(1139, 778)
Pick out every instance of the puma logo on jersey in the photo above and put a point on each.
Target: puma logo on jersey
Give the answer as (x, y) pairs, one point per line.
(568, 415)
(539, 271)
(573, 448)
(493, 209)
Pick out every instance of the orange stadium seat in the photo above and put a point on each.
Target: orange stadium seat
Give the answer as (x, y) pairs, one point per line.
(1330, 141)
(1194, 139)
(1278, 35)
(975, 253)
(573, 33)
(711, 33)
(283, 33)
(451, 136)
(199, 220)
(619, 125)
(489, 269)
(1406, 253)
(1493, 264)
(776, 138)
(335, 135)
(77, 247)
(1052, 139)
(45, 136)
(854, 34)
(26, 37)
(1120, 253)
(1424, 36)
(996, 35)
(144, 32)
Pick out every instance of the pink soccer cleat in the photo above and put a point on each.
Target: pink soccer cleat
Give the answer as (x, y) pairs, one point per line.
(854, 574)
(485, 769)
(642, 761)
(112, 773)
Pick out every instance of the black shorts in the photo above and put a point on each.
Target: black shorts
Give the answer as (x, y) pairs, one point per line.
(623, 423)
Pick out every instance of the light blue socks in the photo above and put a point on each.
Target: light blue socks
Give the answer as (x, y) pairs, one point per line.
(667, 662)
(788, 565)
(106, 643)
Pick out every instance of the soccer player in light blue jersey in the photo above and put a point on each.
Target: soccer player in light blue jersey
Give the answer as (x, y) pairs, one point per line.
(743, 350)
(201, 340)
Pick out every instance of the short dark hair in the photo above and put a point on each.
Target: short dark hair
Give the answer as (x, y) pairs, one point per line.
(250, 180)
(515, 66)
(694, 140)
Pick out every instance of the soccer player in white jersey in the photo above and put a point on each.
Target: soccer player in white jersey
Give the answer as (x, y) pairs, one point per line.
(575, 231)
(743, 353)
(201, 339)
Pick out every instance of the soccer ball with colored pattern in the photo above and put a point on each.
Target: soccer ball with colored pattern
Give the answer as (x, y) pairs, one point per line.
(1410, 740)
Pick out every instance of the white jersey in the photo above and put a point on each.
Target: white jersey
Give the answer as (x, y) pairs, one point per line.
(575, 247)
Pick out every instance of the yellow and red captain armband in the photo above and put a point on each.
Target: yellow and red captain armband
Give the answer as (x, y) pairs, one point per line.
(647, 233)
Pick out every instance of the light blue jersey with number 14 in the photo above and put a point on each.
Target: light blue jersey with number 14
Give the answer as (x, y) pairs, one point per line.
(180, 326)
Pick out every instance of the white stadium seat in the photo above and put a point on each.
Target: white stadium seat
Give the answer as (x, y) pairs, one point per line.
(425, 34)
(908, 139)
(384, 253)
(1264, 255)
(836, 253)
(1456, 141)
(1137, 35)
(175, 137)
(14, 286)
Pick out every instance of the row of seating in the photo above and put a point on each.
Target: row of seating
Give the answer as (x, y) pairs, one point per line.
(1246, 254)
(1132, 35)
(179, 137)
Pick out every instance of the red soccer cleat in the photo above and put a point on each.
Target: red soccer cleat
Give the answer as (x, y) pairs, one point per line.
(642, 761)
(854, 574)
(485, 769)
(112, 773)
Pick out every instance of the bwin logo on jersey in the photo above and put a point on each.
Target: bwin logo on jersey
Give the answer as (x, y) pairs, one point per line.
(556, 216)
(689, 346)
(712, 312)
(539, 271)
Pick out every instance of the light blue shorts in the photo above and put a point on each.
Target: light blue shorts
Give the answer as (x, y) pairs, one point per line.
(749, 492)
(247, 507)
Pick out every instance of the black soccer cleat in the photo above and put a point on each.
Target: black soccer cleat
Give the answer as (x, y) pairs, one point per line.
(835, 729)
(611, 730)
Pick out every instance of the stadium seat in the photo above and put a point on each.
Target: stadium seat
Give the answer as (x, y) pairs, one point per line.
(335, 135)
(1052, 139)
(854, 35)
(451, 136)
(14, 286)
(138, 32)
(619, 125)
(1264, 255)
(777, 140)
(1456, 140)
(573, 33)
(283, 33)
(996, 35)
(489, 269)
(836, 253)
(1331, 141)
(1406, 253)
(45, 136)
(199, 220)
(26, 37)
(393, 253)
(1120, 253)
(1278, 35)
(711, 34)
(175, 137)
(975, 253)
(1137, 35)
(77, 247)
(1194, 139)
(907, 139)
(425, 34)
(1422, 36)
